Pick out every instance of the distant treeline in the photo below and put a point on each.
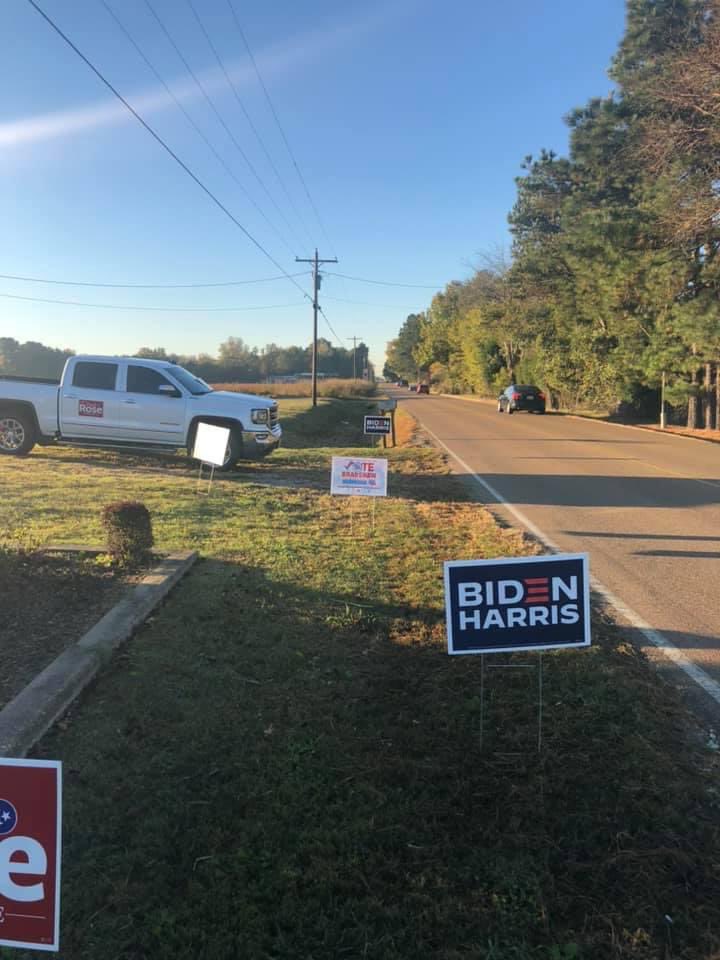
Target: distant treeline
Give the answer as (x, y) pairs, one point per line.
(235, 363)
(31, 359)
(614, 279)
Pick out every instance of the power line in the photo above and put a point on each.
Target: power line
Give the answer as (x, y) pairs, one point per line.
(280, 128)
(165, 147)
(324, 315)
(387, 283)
(222, 122)
(116, 306)
(363, 303)
(247, 116)
(190, 120)
(146, 286)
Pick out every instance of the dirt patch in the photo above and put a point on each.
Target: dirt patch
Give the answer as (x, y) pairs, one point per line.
(712, 435)
(48, 603)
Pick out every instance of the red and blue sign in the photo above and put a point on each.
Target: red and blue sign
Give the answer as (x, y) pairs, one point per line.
(524, 603)
(30, 836)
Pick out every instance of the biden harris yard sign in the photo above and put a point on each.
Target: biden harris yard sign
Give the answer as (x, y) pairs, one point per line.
(528, 603)
(378, 425)
(30, 818)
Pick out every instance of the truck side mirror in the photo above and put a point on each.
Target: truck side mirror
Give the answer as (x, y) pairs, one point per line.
(168, 390)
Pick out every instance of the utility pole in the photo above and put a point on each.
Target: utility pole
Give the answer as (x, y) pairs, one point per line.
(316, 286)
(354, 340)
(662, 402)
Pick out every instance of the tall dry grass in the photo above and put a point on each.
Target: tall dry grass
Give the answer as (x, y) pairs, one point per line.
(340, 389)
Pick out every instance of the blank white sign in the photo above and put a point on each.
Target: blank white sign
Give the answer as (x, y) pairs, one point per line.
(211, 443)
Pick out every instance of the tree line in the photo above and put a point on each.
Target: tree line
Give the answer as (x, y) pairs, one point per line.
(613, 281)
(235, 362)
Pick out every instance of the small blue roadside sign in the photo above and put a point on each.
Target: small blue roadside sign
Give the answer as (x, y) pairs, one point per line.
(378, 425)
(525, 603)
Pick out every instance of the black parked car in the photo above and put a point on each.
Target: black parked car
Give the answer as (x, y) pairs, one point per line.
(521, 397)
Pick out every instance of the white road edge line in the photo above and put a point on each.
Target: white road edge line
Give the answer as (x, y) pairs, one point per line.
(697, 674)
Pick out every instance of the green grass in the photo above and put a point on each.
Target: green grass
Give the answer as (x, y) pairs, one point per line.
(284, 764)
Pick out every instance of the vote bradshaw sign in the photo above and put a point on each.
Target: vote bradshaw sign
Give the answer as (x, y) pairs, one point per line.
(357, 477)
(528, 603)
(30, 801)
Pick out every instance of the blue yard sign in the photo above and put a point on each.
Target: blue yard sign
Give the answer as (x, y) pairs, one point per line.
(528, 603)
(378, 425)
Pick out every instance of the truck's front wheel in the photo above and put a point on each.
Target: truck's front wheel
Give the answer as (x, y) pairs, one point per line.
(17, 434)
(233, 451)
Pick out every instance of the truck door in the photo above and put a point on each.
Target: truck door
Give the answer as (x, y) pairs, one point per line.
(88, 404)
(152, 408)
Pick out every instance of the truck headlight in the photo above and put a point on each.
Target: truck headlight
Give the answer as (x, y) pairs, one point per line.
(260, 416)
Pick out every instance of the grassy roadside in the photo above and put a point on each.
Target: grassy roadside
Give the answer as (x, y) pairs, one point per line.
(333, 387)
(285, 764)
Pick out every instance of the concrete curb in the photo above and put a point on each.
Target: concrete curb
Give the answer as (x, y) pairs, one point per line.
(36, 708)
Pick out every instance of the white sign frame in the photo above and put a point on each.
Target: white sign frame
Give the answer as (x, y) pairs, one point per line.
(211, 444)
(585, 642)
(361, 468)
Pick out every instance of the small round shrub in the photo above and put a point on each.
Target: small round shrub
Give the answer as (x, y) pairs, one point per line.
(129, 532)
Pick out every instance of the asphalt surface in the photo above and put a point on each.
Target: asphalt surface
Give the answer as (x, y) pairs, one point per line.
(645, 506)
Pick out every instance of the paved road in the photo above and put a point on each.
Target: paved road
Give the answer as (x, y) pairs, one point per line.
(645, 506)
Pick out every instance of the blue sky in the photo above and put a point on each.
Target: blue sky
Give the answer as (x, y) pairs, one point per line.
(408, 119)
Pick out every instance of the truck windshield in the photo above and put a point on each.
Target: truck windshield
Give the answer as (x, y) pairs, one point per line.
(195, 385)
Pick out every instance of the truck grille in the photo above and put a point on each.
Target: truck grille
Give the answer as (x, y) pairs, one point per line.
(273, 416)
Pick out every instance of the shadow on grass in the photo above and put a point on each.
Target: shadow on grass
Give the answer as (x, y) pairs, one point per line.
(48, 602)
(304, 771)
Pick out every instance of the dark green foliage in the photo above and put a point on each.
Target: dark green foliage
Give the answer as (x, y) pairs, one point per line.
(239, 363)
(129, 532)
(236, 362)
(31, 359)
(614, 278)
(400, 352)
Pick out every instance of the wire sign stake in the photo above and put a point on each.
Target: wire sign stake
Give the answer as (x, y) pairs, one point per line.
(517, 605)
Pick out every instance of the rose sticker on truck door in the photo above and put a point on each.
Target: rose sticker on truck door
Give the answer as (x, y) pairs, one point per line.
(91, 408)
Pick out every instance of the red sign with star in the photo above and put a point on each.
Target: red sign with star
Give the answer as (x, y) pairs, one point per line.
(30, 822)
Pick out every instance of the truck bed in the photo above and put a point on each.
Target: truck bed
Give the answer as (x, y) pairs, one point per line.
(53, 383)
(41, 395)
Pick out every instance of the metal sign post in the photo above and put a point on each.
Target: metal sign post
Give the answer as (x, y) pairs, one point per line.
(200, 476)
(540, 700)
(512, 666)
(388, 406)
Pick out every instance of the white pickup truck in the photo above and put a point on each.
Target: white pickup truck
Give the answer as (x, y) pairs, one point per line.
(127, 402)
